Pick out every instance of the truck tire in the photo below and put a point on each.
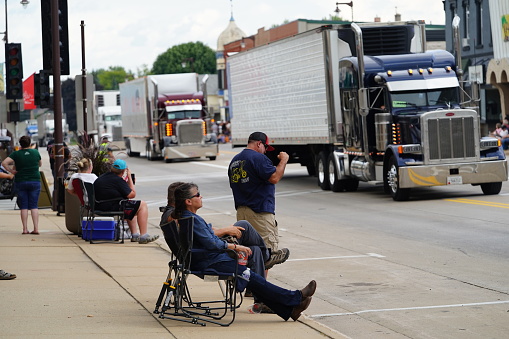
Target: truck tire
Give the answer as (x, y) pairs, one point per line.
(392, 181)
(322, 171)
(337, 185)
(491, 188)
(149, 153)
(212, 158)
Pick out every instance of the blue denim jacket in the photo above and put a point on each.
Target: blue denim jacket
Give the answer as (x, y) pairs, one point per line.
(204, 238)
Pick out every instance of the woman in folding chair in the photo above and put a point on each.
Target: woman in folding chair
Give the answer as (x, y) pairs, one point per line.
(85, 168)
(285, 303)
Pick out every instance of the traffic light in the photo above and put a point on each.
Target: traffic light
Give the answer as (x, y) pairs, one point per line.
(14, 71)
(47, 37)
(41, 89)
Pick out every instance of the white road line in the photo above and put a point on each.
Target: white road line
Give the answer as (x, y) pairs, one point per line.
(341, 257)
(409, 308)
(210, 165)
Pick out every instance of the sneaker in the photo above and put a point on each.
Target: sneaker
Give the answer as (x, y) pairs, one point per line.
(145, 239)
(277, 257)
(135, 238)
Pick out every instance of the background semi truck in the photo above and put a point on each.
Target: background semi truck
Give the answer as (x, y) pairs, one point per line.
(364, 103)
(164, 116)
(107, 114)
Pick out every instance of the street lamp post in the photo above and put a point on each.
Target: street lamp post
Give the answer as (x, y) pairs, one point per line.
(25, 4)
(191, 63)
(337, 10)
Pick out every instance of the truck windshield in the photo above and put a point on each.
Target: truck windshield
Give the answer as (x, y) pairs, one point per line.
(184, 115)
(410, 101)
(113, 118)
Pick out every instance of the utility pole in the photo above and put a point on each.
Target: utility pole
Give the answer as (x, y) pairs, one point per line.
(57, 104)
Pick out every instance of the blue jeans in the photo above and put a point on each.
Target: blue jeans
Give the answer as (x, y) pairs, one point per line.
(250, 238)
(28, 194)
(278, 299)
(505, 143)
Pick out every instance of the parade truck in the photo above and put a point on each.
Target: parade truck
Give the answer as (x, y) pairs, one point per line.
(107, 114)
(364, 102)
(165, 116)
(46, 128)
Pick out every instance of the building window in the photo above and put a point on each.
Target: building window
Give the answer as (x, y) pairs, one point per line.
(479, 24)
(466, 19)
(118, 99)
(100, 100)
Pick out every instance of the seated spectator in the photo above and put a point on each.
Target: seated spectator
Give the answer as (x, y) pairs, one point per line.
(110, 188)
(285, 303)
(500, 131)
(242, 231)
(85, 168)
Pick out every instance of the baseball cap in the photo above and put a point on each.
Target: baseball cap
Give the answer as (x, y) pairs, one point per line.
(120, 164)
(260, 136)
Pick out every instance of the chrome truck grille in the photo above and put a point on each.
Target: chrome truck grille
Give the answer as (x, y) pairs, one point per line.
(451, 136)
(190, 132)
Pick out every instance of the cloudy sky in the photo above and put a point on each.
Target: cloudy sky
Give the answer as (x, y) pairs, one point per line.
(131, 33)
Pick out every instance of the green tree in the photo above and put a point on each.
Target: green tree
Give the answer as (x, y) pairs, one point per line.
(110, 78)
(186, 58)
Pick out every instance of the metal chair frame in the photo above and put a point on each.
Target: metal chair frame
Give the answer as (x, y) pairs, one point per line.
(175, 300)
(89, 205)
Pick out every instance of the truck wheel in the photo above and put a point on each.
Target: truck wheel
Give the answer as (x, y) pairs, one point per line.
(212, 158)
(337, 185)
(322, 171)
(392, 178)
(150, 155)
(491, 188)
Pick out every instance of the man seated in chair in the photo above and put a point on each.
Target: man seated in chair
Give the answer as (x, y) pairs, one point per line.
(110, 188)
(285, 303)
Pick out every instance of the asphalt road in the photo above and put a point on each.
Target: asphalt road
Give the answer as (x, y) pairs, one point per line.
(432, 267)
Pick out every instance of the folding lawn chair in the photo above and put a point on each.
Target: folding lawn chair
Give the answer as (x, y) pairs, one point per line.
(89, 204)
(175, 300)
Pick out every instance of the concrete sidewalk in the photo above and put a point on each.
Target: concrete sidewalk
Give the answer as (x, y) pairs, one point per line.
(66, 287)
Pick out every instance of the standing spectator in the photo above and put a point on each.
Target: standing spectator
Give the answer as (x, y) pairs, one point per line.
(215, 128)
(105, 151)
(252, 179)
(51, 152)
(24, 164)
(110, 188)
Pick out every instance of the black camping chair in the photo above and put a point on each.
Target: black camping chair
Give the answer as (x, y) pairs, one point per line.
(89, 205)
(175, 300)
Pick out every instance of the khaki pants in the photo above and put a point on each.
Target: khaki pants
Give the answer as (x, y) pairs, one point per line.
(264, 223)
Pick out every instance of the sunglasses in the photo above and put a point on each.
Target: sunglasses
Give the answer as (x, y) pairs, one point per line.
(197, 195)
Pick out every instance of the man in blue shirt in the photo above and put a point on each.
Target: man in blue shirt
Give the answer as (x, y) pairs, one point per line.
(252, 180)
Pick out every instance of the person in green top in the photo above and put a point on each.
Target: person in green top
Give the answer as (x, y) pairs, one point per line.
(24, 164)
